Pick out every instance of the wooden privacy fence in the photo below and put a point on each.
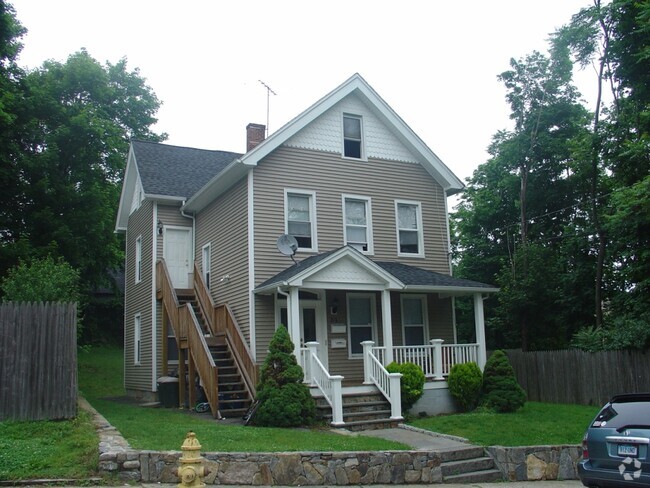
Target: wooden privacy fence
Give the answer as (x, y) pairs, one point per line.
(574, 376)
(38, 361)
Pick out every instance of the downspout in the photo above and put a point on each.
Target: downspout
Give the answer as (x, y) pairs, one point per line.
(154, 303)
(191, 217)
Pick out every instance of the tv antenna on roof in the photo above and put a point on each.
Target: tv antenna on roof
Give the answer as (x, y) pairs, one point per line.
(268, 95)
(288, 245)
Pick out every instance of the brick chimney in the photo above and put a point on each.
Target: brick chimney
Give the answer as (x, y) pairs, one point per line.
(255, 134)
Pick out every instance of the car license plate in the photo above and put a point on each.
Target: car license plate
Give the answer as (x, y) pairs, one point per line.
(628, 450)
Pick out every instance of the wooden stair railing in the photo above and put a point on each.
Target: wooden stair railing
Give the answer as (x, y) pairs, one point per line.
(221, 320)
(189, 335)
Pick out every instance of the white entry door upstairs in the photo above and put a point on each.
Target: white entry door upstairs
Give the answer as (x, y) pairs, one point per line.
(177, 251)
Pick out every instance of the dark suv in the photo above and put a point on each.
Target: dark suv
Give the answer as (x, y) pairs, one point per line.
(615, 446)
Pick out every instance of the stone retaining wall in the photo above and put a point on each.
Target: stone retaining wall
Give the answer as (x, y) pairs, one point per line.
(537, 462)
(286, 469)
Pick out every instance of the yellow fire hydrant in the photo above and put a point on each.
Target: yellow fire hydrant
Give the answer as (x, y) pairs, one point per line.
(191, 470)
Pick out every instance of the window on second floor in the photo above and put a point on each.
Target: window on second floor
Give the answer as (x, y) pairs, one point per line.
(138, 259)
(410, 240)
(352, 137)
(300, 218)
(357, 219)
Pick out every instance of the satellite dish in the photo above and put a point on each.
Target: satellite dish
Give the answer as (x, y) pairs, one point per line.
(287, 245)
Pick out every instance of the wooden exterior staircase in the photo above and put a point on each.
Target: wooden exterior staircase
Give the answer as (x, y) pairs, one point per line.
(210, 346)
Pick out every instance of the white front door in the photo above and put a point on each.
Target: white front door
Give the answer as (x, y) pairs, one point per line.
(177, 251)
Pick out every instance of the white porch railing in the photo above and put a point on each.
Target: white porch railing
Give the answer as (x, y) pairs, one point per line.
(388, 383)
(317, 375)
(435, 359)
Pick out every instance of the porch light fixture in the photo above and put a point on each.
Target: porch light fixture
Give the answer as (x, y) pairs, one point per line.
(159, 226)
(334, 308)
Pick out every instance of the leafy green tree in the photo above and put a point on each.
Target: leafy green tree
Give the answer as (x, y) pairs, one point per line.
(42, 280)
(284, 399)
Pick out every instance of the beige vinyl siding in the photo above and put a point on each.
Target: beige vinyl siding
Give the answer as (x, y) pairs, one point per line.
(330, 176)
(138, 299)
(224, 224)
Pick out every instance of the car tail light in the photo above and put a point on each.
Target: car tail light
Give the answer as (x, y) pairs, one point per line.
(585, 449)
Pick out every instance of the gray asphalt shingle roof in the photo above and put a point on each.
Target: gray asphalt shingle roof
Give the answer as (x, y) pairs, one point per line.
(177, 171)
(409, 275)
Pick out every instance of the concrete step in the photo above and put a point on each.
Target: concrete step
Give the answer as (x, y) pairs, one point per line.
(470, 452)
(486, 476)
(452, 468)
(384, 423)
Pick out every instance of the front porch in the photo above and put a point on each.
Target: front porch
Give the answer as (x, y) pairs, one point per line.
(349, 317)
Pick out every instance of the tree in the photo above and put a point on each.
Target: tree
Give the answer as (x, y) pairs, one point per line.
(76, 121)
(284, 399)
(42, 280)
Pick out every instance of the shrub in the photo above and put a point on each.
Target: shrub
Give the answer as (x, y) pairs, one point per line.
(501, 392)
(411, 384)
(465, 381)
(284, 399)
(41, 280)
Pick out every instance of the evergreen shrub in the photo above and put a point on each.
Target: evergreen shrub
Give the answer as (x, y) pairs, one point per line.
(465, 381)
(501, 392)
(284, 400)
(411, 384)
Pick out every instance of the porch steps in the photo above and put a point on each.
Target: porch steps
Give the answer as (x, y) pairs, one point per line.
(469, 465)
(361, 411)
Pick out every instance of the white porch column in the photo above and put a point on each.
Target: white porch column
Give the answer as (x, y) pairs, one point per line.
(294, 321)
(387, 327)
(479, 324)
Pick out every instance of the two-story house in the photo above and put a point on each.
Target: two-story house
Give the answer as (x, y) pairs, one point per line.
(335, 226)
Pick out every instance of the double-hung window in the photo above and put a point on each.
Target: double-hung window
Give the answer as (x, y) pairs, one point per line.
(137, 342)
(300, 218)
(357, 228)
(361, 321)
(410, 241)
(205, 264)
(414, 320)
(352, 136)
(138, 259)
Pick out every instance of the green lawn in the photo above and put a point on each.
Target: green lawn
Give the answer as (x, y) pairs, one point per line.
(533, 425)
(100, 376)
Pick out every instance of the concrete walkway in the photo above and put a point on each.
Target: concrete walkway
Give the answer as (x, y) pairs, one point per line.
(418, 439)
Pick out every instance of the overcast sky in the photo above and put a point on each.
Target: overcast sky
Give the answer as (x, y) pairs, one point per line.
(434, 62)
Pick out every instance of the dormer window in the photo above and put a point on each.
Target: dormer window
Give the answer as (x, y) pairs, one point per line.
(352, 137)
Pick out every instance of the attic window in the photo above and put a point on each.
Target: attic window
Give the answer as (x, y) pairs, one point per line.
(352, 137)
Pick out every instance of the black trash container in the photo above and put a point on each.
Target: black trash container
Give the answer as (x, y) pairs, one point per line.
(168, 391)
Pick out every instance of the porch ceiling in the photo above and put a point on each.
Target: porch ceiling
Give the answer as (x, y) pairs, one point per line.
(347, 268)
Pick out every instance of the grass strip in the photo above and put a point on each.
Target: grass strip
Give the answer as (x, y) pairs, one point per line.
(535, 424)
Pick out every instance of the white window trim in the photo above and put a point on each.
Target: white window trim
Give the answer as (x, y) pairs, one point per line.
(137, 339)
(138, 259)
(205, 268)
(363, 139)
(369, 232)
(312, 214)
(425, 317)
(373, 317)
(418, 205)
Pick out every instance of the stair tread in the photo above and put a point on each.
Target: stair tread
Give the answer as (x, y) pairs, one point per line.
(475, 476)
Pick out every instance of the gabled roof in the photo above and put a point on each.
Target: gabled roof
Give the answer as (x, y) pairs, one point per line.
(177, 171)
(354, 85)
(167, 173)
(396, 276)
